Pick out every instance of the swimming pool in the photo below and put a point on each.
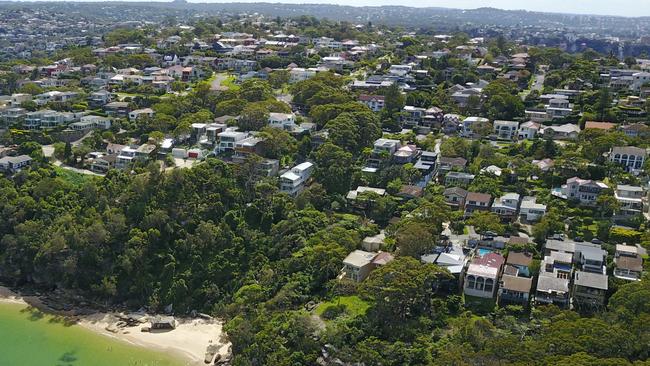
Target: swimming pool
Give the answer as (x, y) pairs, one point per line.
(484, 251)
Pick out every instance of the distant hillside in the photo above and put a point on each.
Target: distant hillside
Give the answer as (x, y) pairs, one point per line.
(438, 18)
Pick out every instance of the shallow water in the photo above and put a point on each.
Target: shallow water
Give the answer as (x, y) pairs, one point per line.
(29, 337)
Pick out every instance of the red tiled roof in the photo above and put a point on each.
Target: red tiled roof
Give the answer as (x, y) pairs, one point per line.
(494, 260)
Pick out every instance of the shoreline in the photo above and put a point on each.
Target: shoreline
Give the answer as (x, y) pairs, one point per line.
(188, 341)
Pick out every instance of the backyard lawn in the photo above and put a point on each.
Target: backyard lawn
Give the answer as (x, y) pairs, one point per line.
(354, 305)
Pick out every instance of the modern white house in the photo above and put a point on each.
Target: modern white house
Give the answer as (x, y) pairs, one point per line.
(92, 123)
(470, 122)
(506, 206)
(530, 210)
(228, 140)
(506, 130)
(293, 181)
(47, 119)
(630, 198)
(639, 79)
(285, 121)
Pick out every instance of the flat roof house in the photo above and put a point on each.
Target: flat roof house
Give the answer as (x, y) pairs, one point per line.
(294, 180)
(631, 200)
(554, 278)
(552, 290)
(530, 210)
(506, 130)
(589, 289)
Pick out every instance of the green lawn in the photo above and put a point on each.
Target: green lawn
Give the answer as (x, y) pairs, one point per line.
(354, 305)
(71, 177)
(229, 82)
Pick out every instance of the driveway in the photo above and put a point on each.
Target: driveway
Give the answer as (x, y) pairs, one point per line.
(216, 83)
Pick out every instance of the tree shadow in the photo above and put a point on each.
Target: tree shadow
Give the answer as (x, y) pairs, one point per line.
(66, 321)
(34, 313)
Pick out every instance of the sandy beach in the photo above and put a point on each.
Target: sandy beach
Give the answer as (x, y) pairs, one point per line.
(189, 339)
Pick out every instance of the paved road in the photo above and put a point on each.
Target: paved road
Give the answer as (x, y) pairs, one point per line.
(538, 84)
(216, 83)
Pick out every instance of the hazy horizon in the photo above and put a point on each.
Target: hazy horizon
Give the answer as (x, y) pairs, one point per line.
(595, 7)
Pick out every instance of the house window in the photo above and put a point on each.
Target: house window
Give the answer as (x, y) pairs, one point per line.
(479, 283)
(471, 282)
(489, 285)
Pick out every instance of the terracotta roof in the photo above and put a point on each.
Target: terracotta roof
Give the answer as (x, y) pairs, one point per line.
(478, 197)
(414, 191)
(494, 260)
(382, 258)
(631, 263)
(600, 125)
(523, 259)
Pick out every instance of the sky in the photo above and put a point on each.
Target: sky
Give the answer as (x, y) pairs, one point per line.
(603, 7)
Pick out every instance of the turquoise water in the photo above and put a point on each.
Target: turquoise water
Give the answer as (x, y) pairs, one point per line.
(29, 337)
(484, 251)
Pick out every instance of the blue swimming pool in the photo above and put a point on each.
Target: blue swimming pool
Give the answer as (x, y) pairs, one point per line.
(484, 251)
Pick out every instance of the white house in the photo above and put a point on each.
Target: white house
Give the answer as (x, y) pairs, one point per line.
(631, 157)
(507, 205)
(285, 121)
(530, 210)
(299, 74)
(639, 79)
(134, 115)
(374, 102)
(584, 190)
(470, 122)
(506, 130)
(228, 140)
(630, 198)
(358, 264)
(528, 130)
(91, 123)
(293, 181)
(482, 275)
